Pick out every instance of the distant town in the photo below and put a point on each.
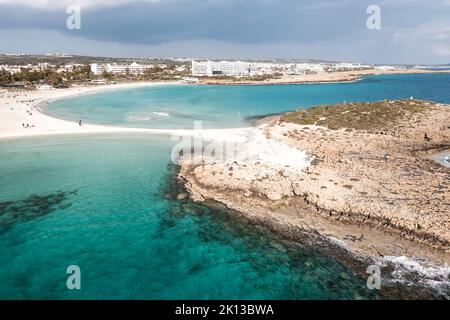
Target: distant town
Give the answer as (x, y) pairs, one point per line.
(63, 70)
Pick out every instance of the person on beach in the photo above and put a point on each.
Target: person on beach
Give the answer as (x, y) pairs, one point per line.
(79, 123)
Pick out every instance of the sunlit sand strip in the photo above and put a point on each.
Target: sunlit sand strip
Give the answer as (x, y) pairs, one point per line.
(20, 116)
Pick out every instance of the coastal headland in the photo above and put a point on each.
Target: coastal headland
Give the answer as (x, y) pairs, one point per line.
(371, 185)
(329, 77)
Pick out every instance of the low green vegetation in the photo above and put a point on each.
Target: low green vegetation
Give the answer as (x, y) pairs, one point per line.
(83, 74)
(48, 76)
(79, 72)
(357, 115)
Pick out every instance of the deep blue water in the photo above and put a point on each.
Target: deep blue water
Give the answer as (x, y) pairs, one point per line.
(229, 106)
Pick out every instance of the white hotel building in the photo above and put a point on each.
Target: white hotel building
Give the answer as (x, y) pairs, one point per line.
(221, 68)
(242, 69)
(133, 68)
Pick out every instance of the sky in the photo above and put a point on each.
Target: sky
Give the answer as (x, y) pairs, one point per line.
(412, 31)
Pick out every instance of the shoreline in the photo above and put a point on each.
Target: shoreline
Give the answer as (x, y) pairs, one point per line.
(321, 78)
(15, 104)
(22, 110)
(25, 107)
(403, 276)
(374, 191)
(288, 218)
(408, 268)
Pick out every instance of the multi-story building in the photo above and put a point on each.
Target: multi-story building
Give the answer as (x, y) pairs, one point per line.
(344, 66)
(199, 68)
(241, 69)
(98, 68)
(220, 68)
(114, 68)
(265, 68)
(303, 68)
(136, 68)
(10, 69)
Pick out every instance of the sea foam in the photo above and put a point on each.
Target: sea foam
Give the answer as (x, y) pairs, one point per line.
(409, 271)
(163, 114)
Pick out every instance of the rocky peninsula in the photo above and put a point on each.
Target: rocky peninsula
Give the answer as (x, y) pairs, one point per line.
(326, 77)
(372, 185)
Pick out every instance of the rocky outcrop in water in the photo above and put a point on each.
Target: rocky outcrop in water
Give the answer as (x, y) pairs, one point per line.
(33, 207)
(371, 168)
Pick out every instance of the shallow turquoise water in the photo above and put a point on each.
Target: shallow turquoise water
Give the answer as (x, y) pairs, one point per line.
(115, 221)
(105, 203)
(230, 106)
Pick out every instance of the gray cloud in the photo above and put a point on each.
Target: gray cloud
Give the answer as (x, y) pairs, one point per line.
(328, 28)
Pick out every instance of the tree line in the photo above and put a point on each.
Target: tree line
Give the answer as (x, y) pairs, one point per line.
(47, 76)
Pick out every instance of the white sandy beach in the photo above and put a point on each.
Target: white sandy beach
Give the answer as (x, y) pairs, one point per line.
(18, 108)
(15, 104)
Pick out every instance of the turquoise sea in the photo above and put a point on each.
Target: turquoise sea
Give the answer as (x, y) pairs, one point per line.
(107, 203)
(230, 106)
